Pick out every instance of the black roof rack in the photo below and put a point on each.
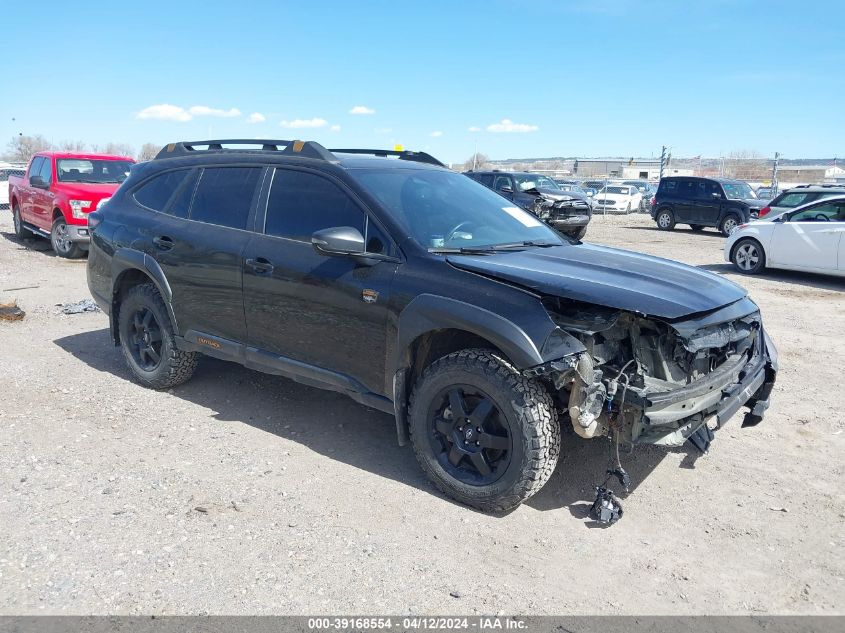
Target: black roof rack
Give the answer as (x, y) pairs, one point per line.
(419, 157)
(306, 149)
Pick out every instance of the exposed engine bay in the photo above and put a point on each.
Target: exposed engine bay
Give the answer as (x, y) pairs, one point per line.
(650, 381)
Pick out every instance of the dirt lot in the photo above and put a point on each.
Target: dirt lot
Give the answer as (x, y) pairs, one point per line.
(246, 493)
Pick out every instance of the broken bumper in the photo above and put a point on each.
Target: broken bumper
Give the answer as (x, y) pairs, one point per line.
(670, 418)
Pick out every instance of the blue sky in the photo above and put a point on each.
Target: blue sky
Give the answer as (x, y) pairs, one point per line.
(518, 77)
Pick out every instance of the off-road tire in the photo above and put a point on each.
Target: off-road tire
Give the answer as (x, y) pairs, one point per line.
(665, 220)
(61, 247)
(176, 366)
(579, 233)
(725, 226)
(21, 232)
(531, 416)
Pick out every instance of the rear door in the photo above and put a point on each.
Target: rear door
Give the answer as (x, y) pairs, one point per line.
(809, 238)
(199, 244)
(326, 312)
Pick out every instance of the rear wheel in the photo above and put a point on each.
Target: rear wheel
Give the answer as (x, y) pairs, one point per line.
(729, 224)
(748, 256)
(484, 434)
(665, 220)
(20, 230)
(61, 242)
(148, 343)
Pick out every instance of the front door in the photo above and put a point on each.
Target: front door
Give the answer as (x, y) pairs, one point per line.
(707, 204)
(326, 312)
(202, 256)
(42, 199)
(809, 238)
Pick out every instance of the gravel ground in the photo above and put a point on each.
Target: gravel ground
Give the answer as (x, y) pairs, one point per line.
(246, 493)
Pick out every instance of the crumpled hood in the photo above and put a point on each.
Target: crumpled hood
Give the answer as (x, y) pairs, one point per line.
(609, 277)
(556, 194)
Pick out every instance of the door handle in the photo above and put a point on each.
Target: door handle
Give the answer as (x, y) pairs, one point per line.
(163, 242)
(260, 265)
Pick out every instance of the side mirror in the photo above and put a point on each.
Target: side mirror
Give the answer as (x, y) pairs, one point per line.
(338, 241)
(506, 189)
(716, 196)
(37, 181)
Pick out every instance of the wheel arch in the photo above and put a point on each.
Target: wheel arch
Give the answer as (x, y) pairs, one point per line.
(131, 268)
(752, 238)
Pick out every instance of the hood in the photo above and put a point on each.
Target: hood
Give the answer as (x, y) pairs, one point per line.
(608, 277)
(755, 203)
(558, 194)
(87, 191)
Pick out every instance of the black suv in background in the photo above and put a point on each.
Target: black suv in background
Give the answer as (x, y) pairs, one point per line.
(567, 211)
(418, 292)
(701, 202)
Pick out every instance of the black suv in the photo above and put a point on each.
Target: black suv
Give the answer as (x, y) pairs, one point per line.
(417, 292)
(701, 202)
(567, 211)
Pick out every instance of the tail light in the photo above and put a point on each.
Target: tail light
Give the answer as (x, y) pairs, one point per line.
(764, 212)
(653, 200)
(94, 219)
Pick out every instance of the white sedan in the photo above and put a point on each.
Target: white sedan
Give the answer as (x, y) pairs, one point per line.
(618, 199)
(809, 238)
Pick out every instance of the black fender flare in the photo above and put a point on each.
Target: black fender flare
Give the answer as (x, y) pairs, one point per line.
(125, 259)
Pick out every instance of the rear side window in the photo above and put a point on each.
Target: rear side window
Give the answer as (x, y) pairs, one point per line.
(668, 187)
(155, 193)
(486, 180)
(301, 203)
(224, 195)
(795, 199)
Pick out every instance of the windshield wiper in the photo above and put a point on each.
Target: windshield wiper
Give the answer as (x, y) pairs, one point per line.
(463, 250)
(523, 244)
(492, 248)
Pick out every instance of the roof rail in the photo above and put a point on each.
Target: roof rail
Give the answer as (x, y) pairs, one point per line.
(307, 149)
(419, 157)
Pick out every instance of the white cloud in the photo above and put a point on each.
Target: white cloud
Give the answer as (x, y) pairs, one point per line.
(362, 110)
(335, 128)
(168, 112)
(256, 117)
(383, 130)
(164, 111)
(474, 128)
(304, 123)
(436, 133)
(206, 111)
(506, 125)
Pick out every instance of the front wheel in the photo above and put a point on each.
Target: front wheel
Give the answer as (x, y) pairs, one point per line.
(21, 232)
(148, 343)
(748, 256)
(665, 220)
(61, 242)
(484, 434)
(729, 224)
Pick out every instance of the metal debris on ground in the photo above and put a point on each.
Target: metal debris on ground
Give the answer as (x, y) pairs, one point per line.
(78, 307)
(11, 312)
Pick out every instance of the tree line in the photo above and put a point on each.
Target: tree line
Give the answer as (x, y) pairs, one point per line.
(22, 148)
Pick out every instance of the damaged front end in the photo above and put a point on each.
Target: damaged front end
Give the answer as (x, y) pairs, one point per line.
(659, 381)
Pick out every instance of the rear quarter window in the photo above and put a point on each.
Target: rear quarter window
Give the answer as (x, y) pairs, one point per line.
(156, 192)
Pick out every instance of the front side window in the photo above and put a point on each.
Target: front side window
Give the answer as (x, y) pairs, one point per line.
(502, 182)
(302, 203)
(46, 172)
(35, 167)
(224, 195)
(440, 209)
(95, 171)
(825, 212)
(155, 193)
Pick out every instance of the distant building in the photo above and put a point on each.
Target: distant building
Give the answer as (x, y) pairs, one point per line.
(811, 174)
(653, 173)
(630, 168)
(834, 176)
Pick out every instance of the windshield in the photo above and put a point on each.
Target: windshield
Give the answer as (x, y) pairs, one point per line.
(91, 170)
(738, 191)
(621, 190)
(534, 181)
(441, 209)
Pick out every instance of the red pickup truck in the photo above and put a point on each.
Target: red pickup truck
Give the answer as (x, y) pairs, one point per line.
(58, 191)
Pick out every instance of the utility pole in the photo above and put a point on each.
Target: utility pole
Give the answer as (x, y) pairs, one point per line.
(662, 161)
(775, 175)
